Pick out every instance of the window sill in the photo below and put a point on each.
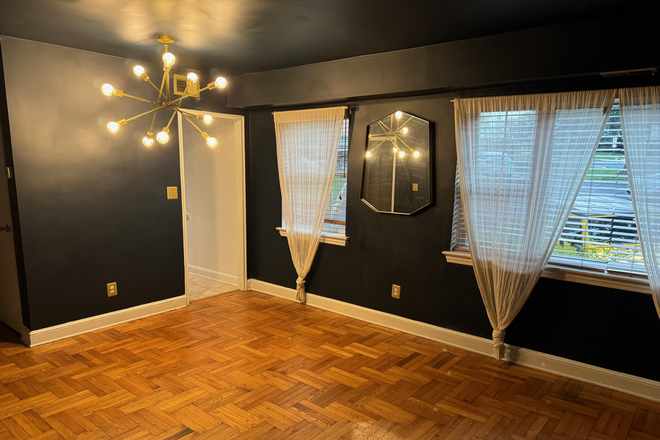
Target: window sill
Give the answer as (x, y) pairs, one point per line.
(555, 272)
(327, 238)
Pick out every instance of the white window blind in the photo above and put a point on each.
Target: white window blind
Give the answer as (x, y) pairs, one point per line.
(601, 233)
(335, 216)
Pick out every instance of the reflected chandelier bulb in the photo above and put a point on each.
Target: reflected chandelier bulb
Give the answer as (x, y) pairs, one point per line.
(107, 89)
(168, 59)
(416, 154)
(211, 142)
(192, 77)
(369, 153)
(401, 154)
(220, 82)
(113, 127)
(207, 119)
(163, 137)
(404, 130)
(138, 71)
(398, 114)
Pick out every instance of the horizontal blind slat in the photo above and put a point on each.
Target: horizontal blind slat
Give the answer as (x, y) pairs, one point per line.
(601, 230)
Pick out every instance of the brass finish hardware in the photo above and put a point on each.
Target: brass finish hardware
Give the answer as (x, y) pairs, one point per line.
(112, 289)
(164, 100)
(415, 187)
(396, 291)
(165, 39)
(172, 193)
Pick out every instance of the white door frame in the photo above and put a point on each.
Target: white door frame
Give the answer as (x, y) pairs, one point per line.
(241, 243)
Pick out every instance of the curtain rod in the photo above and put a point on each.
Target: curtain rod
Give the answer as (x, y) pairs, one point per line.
(344, 107)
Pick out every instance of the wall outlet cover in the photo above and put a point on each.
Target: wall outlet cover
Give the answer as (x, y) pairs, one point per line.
(396, 291)
(112, 289)
(172, 192)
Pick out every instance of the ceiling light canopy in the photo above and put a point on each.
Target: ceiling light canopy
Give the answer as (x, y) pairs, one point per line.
(165, 100)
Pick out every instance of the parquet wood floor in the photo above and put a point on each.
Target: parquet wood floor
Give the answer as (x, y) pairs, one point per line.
(244, 365)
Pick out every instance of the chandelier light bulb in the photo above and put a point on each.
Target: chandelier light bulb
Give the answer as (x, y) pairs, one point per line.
(401, 154)
(113, 127)
(168, 59)
(398, 114)
(107, 89)
(148, 140)
(416, 154)
(404, 130)
(395, 149)
(369, 153)
(164, 100)
(163, 137)
(211, 142)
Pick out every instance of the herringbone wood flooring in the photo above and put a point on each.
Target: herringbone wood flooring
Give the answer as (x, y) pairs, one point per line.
(244, 365)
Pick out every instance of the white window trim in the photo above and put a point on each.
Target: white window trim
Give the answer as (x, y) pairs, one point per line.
(555, 272)
(326, 237)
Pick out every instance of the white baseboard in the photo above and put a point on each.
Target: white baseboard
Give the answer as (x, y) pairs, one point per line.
(213, 274)
(626, 383)
(74, 328)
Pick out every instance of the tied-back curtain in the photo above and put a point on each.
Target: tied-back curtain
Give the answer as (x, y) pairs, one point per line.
(307, 143)
(521, 161)
(640, 123)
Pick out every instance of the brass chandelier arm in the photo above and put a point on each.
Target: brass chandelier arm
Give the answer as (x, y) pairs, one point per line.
(126, 95)
(166, 74)
(140, 115)
(189, 120)
(190, 94)
(162, 85)
(157, 89)
(153, 120)
(171, 118)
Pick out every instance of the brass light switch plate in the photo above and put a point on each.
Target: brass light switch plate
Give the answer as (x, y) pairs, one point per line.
(172, 192)
(415, 187)
(112, 289)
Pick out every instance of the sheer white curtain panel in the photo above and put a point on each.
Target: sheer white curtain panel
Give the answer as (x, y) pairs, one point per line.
(521, 162)
(307, 143)
(640, 123)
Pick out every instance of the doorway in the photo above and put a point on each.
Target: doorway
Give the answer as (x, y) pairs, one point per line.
(213, 203)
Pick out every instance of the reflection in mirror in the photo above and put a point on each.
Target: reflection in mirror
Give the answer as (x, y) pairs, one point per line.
(397, 164)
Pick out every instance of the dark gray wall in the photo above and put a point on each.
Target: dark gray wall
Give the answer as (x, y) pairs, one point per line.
(559, 51)
(92, 206)
(609, 328)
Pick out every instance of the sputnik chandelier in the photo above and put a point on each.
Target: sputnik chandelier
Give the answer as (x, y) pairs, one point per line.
(165, 100)
(392, 135)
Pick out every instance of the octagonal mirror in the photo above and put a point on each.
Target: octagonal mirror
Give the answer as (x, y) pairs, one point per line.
(396, 178)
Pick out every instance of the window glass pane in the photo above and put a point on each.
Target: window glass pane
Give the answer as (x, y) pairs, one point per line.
(335, 216)
(601, 233)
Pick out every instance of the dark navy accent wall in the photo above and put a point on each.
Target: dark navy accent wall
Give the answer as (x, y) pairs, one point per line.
(608, 328)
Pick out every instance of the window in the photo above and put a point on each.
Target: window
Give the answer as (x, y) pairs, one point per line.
(601, 233)
(335, 216)
(334, 226)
